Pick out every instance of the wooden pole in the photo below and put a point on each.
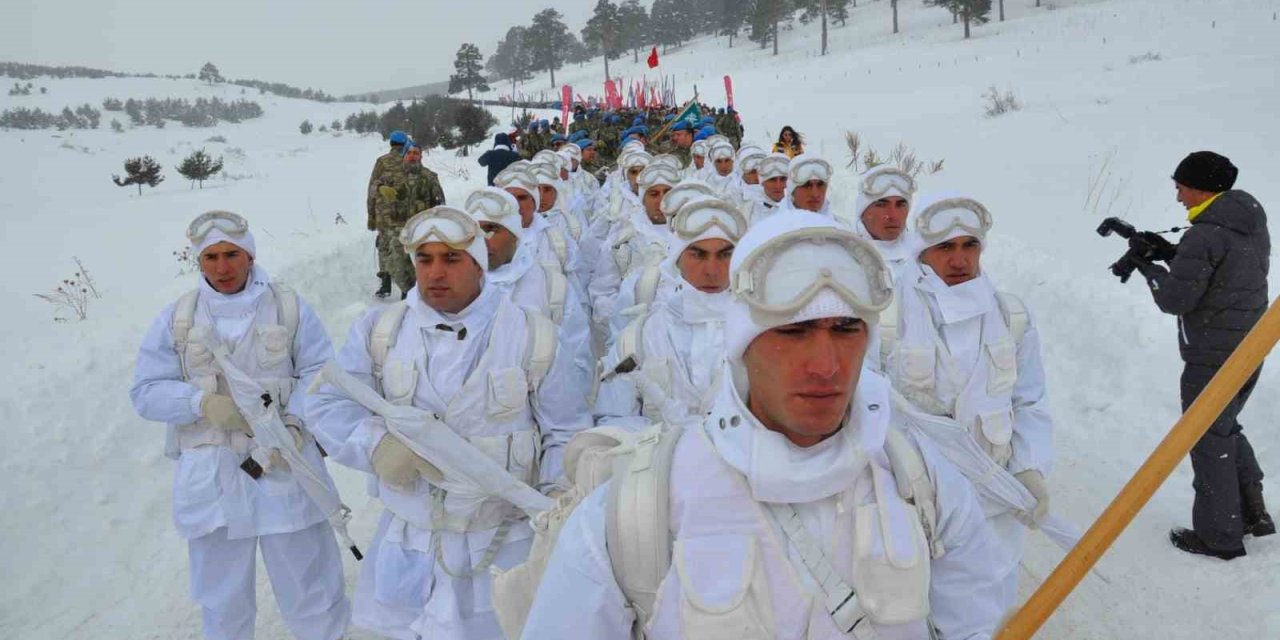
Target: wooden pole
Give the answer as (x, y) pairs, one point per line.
(1224, 386)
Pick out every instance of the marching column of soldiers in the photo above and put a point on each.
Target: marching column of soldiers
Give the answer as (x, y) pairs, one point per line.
(647, 383)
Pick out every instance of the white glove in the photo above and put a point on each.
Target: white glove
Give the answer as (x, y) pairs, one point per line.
(294, 426)
(399, 466)
(1034, 482)
(223, 413)
(670, 410)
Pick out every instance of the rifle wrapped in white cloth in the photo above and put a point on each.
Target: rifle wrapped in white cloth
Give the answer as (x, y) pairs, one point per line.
(271, 435)
(998, 489)
(460, 467)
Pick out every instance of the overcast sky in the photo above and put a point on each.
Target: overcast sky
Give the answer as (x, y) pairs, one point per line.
(340, 46)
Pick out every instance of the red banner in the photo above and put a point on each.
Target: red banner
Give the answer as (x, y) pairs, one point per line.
(566, 101)
(728, 90)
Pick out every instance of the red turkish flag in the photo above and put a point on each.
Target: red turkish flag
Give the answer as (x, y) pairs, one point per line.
(653, 58)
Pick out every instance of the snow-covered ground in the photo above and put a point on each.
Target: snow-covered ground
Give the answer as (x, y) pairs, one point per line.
(88, 548)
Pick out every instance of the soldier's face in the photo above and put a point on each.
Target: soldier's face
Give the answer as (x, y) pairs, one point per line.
(724, 166)
(527, 205)
(682, 139)
(699, 161)
(546, 197)
(705, 264)
(801, 377)
(589, 154)
(226, 267)
(751, 177)
(449, 279)
(886, 218)
(956, 261)
(414, 156)
(653, 203)
(810, 196)
(632, 174)
(776, 188)
(502, 244)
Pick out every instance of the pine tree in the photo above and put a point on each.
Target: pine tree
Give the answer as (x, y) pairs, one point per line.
(305, 127)
(209, 73)
(968, 11)
(511, 59)
(468, 65)
(140, 171)
(602, 32)
(731, 19)
(199, 166)
(633, 29)
(764, 19)
(548, 39)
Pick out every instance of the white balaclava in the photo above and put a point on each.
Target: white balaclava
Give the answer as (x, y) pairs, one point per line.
(455, 221)
(215, 235)
(548, 174)
(699, 209)
(777, 470)
(807, 167)
(520, 177)
(890, 249)
(774, 165)
(699, 148)
(495, 205)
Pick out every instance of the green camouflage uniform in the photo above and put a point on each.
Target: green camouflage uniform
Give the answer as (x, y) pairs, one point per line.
(387, 162)
(392, 206)
(728, 125)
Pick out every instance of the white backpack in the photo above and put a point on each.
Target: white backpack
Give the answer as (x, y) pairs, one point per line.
(638, 467)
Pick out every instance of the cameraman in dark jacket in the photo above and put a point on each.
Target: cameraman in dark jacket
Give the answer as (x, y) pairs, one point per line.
(497, 158)
(1216, 284)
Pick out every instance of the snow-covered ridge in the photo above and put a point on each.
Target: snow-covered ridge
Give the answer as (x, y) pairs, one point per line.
(90, 551)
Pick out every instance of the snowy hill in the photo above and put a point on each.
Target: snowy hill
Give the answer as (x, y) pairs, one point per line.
(90, 551)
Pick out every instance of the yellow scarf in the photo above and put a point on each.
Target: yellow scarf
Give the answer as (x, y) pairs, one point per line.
(1199, 209)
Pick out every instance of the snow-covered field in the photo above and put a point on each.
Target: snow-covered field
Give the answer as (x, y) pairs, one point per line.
(88, 548)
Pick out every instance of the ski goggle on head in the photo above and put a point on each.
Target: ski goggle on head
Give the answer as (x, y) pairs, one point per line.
(953, 218)
(454, 227)
(780, 278)
(682, 194)
(722, 152)
(882, 180)
(492, 204)
(699, 217)
(804, 170)
(665, 160)
(224, 221)
(657, 174)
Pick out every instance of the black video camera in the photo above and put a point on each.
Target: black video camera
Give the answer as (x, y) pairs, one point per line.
(1144, 246)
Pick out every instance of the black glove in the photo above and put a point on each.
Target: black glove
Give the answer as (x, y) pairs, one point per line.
(1160, 249)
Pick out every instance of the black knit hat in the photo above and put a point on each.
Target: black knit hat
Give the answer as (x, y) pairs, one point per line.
(1206, 171)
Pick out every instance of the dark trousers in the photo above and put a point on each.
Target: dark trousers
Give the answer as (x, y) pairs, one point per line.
(1223, 461)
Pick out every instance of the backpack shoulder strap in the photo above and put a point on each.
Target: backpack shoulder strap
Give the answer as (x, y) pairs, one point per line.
(184, 316)
(914, 485)
(559, 245)
(557, 292)
(383, 337)
(638, 519)
(647, 284)
(287, 312)
(1015, 314)
(890, 320)
(541, 350)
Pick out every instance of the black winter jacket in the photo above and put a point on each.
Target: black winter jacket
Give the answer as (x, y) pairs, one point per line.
(496, 160)
(1217, 282)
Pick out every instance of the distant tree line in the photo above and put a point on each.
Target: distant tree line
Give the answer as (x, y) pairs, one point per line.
(432, 122)
(82, 117)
